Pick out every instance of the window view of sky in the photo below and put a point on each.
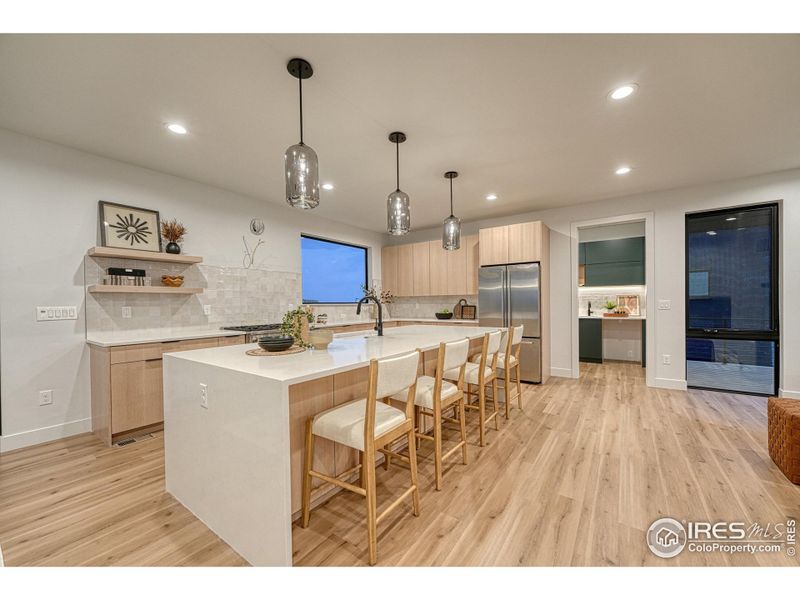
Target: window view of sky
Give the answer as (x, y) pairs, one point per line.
(332, 272)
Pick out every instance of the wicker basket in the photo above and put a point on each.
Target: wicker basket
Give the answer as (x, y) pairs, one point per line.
(783, 418)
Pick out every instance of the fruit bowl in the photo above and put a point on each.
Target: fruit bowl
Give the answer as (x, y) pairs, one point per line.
(444, 316)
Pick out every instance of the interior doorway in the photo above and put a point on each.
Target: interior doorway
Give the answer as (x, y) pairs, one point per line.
(612, 261)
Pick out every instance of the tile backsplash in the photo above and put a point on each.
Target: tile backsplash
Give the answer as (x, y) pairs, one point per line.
(236, 296)
(598, 296)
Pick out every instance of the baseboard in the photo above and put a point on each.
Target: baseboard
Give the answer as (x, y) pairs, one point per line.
(561, 372)
(669, 384)
(789, 394)
(44, 434)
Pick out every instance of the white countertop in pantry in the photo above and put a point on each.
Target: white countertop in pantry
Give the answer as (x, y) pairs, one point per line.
(637, 318)
(130, 338)
(344, 353)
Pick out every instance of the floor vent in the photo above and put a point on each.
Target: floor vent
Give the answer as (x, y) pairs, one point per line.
(131, 440)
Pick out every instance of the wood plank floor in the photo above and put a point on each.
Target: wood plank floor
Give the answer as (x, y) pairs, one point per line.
(575, 479)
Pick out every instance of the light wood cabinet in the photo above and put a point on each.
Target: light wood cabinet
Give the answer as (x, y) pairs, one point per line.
(471, 248)
(524, 242)
(405, 270)
(127, 393)
(517, 243)
(421, 282)
(493, 244)
(438, 275)
(389, 269)
(456, 270)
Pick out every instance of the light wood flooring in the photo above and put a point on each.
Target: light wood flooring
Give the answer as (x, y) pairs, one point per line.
(575, 479)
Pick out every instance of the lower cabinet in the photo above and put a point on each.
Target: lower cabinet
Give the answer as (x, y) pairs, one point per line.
(127, 385)
(590, 340)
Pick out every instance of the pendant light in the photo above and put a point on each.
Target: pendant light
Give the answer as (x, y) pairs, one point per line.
(398, 205)
(451, 228)
(302, 166)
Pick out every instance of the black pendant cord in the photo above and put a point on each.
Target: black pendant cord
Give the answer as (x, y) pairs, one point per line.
(397, 146)
(300, 82)
(451, 196)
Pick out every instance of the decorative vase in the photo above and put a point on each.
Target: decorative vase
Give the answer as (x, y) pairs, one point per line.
(304, 329)
(173, 248)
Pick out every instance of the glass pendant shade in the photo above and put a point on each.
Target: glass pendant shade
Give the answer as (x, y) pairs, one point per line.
(398, 210)
(302, 176)
(451, 233)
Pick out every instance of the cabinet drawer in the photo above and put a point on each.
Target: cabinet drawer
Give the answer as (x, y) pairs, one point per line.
(232, 340)
(136, 395)
(124, 354)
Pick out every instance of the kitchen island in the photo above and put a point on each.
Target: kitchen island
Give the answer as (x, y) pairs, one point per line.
(234, 427)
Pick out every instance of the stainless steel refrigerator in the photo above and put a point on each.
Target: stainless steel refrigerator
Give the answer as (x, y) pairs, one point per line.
(508, 295)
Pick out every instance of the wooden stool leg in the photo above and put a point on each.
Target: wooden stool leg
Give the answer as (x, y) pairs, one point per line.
(368, 469)
(494, 403)
(462, 421)
(309, 462)
(361, 470)
(482, 410)
(507, 391)
(412, 463)
(519, 387)
(387, 460)
(418, 424)
(437, 443)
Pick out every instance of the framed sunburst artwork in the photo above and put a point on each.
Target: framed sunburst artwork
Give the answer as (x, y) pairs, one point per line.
(129, 227)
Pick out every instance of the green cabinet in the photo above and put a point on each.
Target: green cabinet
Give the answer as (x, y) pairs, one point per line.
(613, 262)
(590, 340)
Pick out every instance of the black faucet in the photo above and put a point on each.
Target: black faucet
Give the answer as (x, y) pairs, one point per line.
(379, 322)
(589, 310)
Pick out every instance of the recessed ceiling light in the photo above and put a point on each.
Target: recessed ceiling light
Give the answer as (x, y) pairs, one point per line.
(177, 128)
(711, 232)
(623, 171)
(623, 91)
(731, 219)
(491, 197)
(327, 186)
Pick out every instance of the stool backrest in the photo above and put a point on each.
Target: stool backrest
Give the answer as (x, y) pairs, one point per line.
(452, 355)
(387, 377)
(514, 342)
(491, 347)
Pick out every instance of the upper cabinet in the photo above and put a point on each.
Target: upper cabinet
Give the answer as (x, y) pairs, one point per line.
(517, 243)
(493, 246)
(421, 284)
(438, 268)
(612, 262)
(471, 248)
(405, 271)
(389, 268)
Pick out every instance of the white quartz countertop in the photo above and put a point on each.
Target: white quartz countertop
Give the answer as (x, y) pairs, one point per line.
(129, 338)
(638, 318)
(343, 354)
(396, 320)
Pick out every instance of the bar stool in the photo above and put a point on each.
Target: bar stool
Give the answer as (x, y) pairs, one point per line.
(508, 365)
(481, 372)
(434, 395)
(368, 425)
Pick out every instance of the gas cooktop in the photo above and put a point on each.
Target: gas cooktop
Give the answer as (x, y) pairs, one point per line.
(249, 328)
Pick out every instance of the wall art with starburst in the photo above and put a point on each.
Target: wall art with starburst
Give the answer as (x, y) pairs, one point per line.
(129, 227)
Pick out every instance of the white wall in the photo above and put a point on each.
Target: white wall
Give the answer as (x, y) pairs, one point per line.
(669, 208)
(48, 219)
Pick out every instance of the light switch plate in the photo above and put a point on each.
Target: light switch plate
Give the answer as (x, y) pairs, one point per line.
(206, 309)
(664, 305)
(56, 313)
(204, 395)
(126, 312)
(45, 397)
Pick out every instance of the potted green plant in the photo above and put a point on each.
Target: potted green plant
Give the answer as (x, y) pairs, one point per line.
(444, 314)
(295, 323)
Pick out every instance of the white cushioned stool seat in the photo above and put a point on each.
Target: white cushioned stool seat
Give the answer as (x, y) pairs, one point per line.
(425, 385)
(471, 371)
(345, 424)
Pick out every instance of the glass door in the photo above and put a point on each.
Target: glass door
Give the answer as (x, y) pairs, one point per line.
(732, 328)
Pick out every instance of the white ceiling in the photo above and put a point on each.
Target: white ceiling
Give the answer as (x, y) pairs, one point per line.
(524, 116)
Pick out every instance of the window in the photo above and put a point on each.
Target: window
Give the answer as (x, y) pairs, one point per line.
(333, 272)
(732, 299)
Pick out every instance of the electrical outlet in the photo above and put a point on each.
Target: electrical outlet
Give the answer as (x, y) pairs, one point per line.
(126, 312)
(204, 395)
(56, 313)
(666, 359)
(45, 397)
(630, 353)
(664, 305)
(206, 309)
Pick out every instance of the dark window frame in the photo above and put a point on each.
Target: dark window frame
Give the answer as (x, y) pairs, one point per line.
(771, 335)
(337, 242)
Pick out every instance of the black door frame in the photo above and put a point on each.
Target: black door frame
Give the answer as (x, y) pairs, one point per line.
(772, 335)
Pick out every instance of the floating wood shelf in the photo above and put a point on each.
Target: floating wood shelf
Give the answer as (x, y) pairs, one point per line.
(142, 289)
(102, 252)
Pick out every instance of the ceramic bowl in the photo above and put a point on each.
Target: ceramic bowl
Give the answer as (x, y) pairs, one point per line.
(275, 343)
(320, 338)
(444, 316)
